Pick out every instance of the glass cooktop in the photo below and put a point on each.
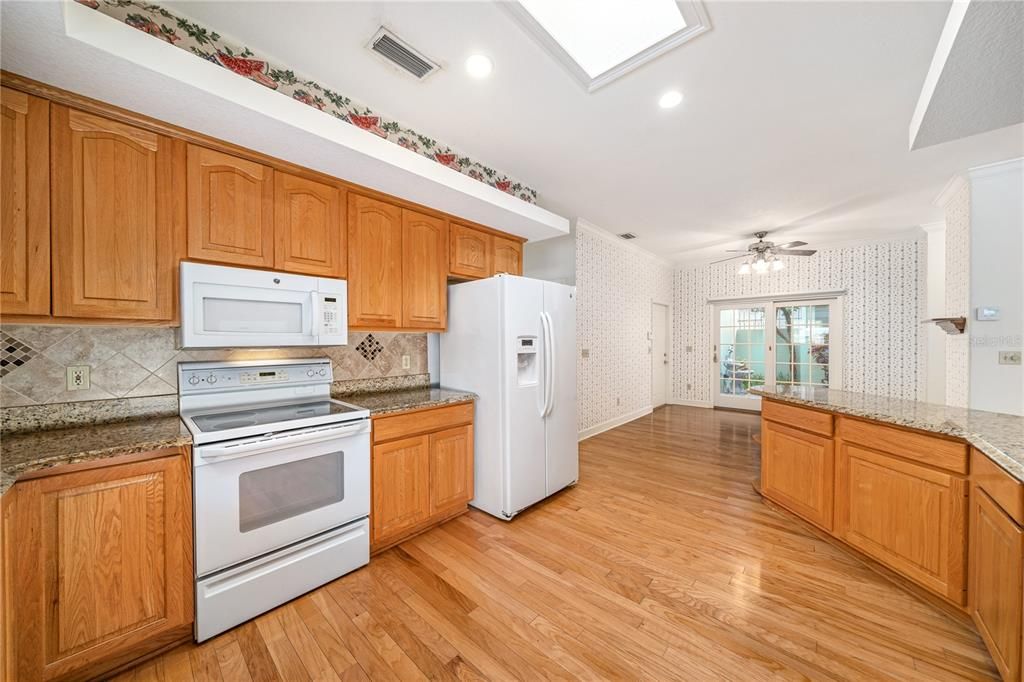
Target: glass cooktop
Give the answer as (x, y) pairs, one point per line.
(272, 414)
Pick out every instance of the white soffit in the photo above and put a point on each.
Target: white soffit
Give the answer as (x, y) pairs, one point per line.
(78, 49)
(573, 32)
(976, 79)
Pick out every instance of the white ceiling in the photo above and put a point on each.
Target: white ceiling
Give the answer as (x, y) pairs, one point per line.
(795, 113)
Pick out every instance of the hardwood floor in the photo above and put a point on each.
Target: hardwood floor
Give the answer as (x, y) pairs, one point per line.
(661, 564)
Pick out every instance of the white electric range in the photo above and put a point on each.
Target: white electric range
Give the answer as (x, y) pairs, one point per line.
(281, 476)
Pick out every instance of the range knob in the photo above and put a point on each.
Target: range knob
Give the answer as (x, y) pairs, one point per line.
(310, 373)
(322, 372)
(193, 380)
(212, 379)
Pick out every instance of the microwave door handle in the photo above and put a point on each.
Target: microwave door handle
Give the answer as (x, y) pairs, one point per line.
(315, 324)
(220, 453)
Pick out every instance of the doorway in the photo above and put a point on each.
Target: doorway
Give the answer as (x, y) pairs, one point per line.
(659, 354)
(774, 343)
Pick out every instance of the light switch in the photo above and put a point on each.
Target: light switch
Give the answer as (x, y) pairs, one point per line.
(986, 314)
(585, 352)
(1009, 357)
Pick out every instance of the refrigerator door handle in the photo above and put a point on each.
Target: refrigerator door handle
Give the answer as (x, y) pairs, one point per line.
(542, 381)
(549, 365)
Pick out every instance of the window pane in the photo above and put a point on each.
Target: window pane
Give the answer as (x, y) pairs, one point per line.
(819, 374)
(819, 354)
(821, 314)
(782, 373)
(727, 318)
(727, 335)
(819, 335)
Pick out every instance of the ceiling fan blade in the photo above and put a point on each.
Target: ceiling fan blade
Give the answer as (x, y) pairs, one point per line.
(727, 259)
(790, 245)
(795, 252)
(737, 250)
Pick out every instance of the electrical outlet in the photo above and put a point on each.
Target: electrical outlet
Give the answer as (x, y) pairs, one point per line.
(585, 352)
(405, 362)
(1009, 357)
(78, 378)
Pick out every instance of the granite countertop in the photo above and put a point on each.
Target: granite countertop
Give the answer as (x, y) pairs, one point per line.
(388, 402)
(999, 436)
(28, 451)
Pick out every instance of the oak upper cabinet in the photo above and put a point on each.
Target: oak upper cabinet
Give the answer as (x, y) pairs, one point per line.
(508, 256)
(908, 516)
(230, 209)
(103, 568)
(401, 480)
(797, 471)
(115, 219)
(24, 204)
(471, 252)
(451, 468)
(424, 271)
(374, 263)
(309, 226)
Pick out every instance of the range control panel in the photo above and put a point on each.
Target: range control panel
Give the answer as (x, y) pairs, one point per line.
(204, 376)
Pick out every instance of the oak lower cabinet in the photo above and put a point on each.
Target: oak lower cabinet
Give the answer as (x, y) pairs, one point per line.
(797, 471)
(116, 223)
(230, 209)
(909, 517)
(101, 571)
(422, 471)
(24, 204)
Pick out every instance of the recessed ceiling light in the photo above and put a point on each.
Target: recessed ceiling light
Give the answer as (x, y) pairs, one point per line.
(479, 66)
(670, 99)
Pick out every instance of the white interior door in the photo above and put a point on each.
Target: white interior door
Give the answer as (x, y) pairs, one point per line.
(659, 354)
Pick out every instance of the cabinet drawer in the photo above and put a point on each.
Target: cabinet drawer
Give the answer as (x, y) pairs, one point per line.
(1004, 489)
(799, 417)
(936, 452)
(421, 421)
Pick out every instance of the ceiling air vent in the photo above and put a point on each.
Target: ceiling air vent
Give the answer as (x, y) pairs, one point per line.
(399, 53)
(627, 235)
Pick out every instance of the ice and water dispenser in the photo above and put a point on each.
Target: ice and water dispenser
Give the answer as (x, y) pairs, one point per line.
(526, 360)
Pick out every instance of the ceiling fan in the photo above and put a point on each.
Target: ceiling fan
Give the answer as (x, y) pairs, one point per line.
(762, 256)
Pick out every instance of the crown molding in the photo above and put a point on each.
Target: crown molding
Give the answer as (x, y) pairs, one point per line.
(955, 184)
(583, 225)
(938, 226)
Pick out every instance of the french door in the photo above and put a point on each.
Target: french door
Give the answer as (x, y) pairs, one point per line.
(774, 343)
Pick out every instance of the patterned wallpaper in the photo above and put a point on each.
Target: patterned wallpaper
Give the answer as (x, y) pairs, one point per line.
(129, 362)
(884, 350)
(210, 45)
(958, 284)
(615, 286)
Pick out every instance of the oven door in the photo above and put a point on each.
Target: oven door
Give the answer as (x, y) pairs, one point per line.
(255, 495)
(234, 307)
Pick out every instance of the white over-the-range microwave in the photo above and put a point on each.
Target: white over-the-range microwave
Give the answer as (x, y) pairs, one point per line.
(224, 307)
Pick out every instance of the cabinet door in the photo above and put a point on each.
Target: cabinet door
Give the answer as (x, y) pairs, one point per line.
(451, 468)
(997, 581)
(24, 204)
(401, 493)
(907, 516)
(508, 256)
(470, 252)
(424, 271)
(104, 568)
(115, 218)
(797, 471)
(309, 226)
(230, 209)
(374, 263)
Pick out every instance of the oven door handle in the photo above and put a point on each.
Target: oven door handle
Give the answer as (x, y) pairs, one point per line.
(220, 453)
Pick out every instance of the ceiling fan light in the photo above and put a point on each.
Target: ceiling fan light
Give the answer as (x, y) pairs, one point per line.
(744, 268)
(778, 264)
(760, 266)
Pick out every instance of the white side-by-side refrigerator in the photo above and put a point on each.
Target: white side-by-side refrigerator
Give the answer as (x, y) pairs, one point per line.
(512, 341)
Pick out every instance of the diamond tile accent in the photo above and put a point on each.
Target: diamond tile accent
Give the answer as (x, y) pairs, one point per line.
(13, 353)
(370, 347)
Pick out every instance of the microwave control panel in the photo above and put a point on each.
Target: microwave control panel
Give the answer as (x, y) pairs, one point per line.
(330, 315)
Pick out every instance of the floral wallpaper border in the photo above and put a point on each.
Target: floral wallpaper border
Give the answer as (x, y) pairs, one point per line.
(203, 42)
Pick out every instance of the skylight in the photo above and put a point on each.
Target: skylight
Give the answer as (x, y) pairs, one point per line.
(601, 34)
(600, 40)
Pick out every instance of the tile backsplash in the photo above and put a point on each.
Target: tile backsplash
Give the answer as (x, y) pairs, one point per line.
(135, 362)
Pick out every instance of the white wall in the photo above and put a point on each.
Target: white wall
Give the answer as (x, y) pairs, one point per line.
(997, 280)
(615, 286)
(935, 299)
(552, 259)
(884, 351)
(956, 200)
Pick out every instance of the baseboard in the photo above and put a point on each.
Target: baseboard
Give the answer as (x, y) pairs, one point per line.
(693, 403)
(612, 423)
